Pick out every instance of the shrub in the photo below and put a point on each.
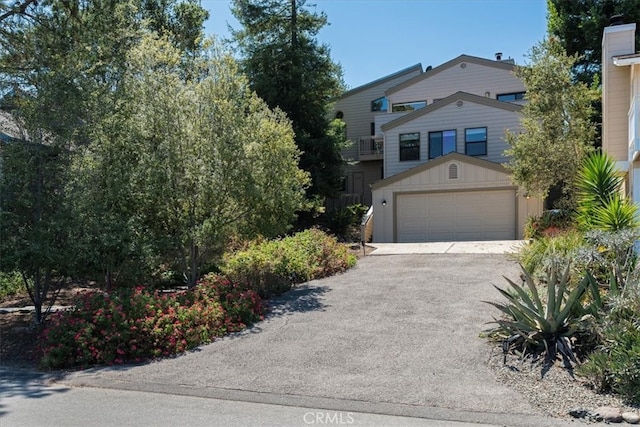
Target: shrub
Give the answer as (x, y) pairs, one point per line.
(537, 256)
(615, 366)
(135, 325)
(11, 284)
(341, 220)
(549, 224)
(273, 267)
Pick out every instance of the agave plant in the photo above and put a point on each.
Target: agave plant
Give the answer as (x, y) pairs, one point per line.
(545, 326)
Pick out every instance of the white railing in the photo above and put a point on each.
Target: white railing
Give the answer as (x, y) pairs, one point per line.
(366, 226)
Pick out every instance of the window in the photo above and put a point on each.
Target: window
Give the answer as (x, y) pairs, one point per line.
(343, 183)
(510, 97)
(379, 104)
(409, 146)
(372, 129)
(475, 140)
(441, 143)
(408, 106)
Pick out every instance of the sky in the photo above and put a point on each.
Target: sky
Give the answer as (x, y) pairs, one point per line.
(371, 39)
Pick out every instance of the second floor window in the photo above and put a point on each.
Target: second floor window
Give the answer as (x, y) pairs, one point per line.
(511, 97)
(408, 106)
(441, 143)
(379, 104)
(409, 146)
(475, 140)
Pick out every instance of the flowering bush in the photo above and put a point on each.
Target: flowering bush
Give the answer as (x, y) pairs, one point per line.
(135, 325)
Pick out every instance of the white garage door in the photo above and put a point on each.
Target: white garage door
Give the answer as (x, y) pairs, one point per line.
(457, 216)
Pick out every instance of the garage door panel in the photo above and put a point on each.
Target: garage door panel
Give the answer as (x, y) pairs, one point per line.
(467, 215)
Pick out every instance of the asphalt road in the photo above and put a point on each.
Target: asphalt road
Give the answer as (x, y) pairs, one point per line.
(397, 336)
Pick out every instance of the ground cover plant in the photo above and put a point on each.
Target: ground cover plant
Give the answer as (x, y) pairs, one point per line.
(132, 325)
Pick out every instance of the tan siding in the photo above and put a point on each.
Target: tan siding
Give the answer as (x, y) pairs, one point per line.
(474, 78)
(452, 117)
(616, 94)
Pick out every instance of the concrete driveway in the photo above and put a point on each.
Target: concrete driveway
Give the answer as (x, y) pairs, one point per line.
(396, 335)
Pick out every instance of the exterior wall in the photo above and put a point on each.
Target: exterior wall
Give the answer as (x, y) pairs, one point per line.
(447, 118)
(355, 106)
(617, 40)
(481, 80)
(470, 177)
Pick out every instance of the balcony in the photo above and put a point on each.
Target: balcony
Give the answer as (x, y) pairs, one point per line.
(370, 148)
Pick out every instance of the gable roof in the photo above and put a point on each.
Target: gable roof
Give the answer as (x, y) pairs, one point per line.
(502, 65)
(437, 162)
(458, 96)
(411, 69)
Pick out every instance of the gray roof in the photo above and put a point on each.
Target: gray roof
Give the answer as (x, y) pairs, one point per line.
(411, 69)
(503, 65)
(458, 96)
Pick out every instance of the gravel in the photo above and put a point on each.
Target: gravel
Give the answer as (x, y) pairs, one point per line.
(557, 392)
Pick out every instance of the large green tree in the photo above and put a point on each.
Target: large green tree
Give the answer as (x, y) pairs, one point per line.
(578, 25)
(558, 132)
(290, 70)
(61, 62)
(200, 160)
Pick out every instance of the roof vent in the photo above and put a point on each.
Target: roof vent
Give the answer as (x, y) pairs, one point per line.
(429, 68)
(616, 20)
(499, 56)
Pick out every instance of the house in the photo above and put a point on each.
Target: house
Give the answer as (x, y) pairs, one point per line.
(358, 108)
(442, 176)
(621, 101)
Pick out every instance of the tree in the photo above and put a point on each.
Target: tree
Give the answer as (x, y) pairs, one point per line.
(578, 26)
(201, 160)
(289, 70)
(558, 133)
(35, 218)
(61, 62)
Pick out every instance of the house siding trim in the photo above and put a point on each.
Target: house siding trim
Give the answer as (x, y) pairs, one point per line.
(452, 63)
(458, 96)
(437, 162)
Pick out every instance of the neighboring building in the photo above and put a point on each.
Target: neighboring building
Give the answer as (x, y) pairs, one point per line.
(621, 102)
(358, 108)
(443, 138)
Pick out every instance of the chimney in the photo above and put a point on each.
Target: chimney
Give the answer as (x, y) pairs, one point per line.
(499, 56)
(616, 20)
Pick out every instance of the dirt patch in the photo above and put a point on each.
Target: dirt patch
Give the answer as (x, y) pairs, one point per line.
(19, 334)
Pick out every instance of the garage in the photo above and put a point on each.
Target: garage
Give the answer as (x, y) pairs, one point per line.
(456, 216)
(452, 198)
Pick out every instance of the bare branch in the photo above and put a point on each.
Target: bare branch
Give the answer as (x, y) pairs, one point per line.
(18, 9)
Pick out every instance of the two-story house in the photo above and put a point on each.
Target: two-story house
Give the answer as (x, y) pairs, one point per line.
(443, 138)
(621, 101)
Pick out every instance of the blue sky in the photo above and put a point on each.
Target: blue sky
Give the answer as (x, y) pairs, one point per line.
(374, 38)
